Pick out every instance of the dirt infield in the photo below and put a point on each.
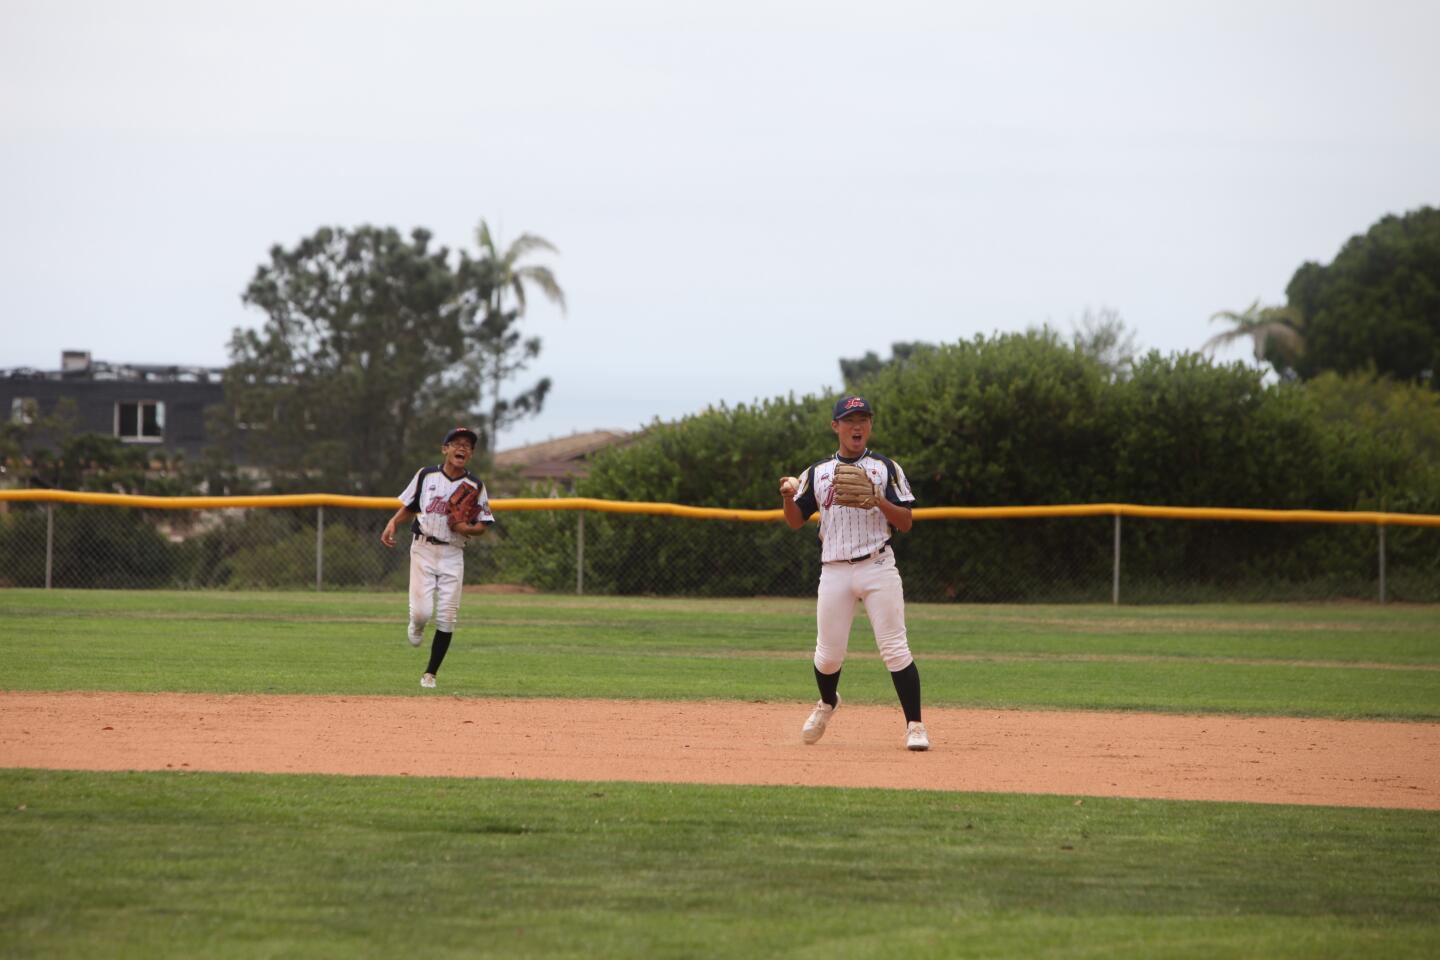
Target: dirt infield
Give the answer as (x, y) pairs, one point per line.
(1265, 760)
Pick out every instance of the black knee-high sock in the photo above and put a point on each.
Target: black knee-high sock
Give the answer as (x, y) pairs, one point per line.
(438, 648)
(907, 686)
(828, 684)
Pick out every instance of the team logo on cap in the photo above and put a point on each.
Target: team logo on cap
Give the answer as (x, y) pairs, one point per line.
(854, 402)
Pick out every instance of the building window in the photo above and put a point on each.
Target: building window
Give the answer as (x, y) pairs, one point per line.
(141, 421)
(24, 409)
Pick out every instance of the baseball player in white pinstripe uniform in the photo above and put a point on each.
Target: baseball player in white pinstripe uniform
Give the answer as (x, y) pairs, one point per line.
(857, 562)
(437, 543)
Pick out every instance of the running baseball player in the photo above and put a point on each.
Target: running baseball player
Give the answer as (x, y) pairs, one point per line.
(861, 496)
(445, 505)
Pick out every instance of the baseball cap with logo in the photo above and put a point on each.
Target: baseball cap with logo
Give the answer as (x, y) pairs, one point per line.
(463, 432)
(848, 405)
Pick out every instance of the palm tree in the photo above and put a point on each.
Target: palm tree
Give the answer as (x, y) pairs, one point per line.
(508, 276)
(504, 278)
(1276, 334)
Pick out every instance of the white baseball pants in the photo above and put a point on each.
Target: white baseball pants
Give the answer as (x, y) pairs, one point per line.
(437, 574)
(876, 583)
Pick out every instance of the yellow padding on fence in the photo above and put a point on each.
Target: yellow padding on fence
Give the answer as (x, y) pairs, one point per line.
(720, 513)
(198, 503)
(1180, 513)
(378, 503)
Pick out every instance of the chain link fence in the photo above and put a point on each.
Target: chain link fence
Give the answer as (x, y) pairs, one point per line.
(1098, 559)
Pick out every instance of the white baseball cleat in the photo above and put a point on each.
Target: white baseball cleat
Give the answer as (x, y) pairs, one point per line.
(814, 728)
(416, 635)
(915, 736)
(428, 681)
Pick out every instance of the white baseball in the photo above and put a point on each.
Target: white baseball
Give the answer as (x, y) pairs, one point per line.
(788, 486)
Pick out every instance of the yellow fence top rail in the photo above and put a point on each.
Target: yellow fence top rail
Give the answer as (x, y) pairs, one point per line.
(722, 513)
(1180, 513)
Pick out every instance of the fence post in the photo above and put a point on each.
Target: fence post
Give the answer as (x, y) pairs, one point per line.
(319, 545)
(49, 542)
(579, 552)
(1382, 562)
(1115, 578)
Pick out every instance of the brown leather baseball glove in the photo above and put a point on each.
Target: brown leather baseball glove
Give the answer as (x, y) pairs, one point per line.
(464, 506)
(853, 487)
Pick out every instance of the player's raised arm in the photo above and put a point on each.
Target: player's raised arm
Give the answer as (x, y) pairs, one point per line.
(789, 486)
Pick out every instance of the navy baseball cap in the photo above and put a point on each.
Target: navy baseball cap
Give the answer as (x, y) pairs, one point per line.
(849, 405)
(463, 432)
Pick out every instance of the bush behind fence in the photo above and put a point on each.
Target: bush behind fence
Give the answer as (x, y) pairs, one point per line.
(1050, 559)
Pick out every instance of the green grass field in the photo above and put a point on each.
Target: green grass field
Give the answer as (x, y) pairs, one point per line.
(193, 864)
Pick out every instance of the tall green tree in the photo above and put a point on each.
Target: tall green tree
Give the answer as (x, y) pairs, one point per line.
(360, 365)
(495, 289)
(1376, 306)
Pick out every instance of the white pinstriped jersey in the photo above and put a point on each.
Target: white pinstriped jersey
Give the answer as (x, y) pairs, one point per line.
(428, 494)
(848, 532)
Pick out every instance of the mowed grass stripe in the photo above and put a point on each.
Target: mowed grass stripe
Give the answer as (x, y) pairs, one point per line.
(1045, 618)
(316, 667)
(785, 637)
(228, 865)
(676, 649)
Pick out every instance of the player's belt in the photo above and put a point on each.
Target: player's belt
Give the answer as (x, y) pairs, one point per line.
(874, 553)
(429, 539)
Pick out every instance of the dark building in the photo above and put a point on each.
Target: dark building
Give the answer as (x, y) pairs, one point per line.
(158, 406)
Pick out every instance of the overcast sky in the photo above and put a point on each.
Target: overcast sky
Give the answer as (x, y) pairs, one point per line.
(741, 192)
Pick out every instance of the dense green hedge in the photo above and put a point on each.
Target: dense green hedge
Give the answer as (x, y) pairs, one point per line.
(1024, 419)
